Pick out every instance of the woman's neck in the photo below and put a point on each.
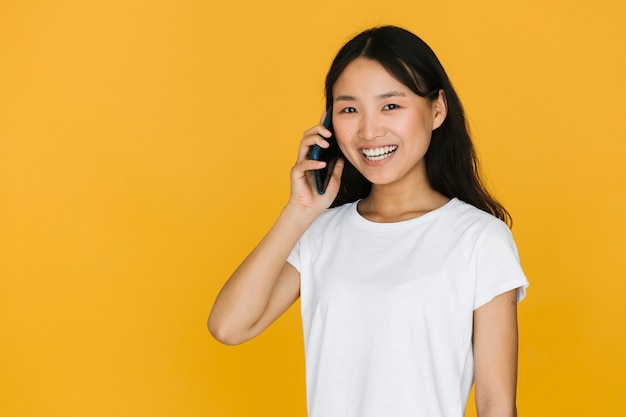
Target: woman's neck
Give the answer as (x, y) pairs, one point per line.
(391, 203)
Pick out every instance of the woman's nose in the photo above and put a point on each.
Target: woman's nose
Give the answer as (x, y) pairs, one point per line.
(371, 128)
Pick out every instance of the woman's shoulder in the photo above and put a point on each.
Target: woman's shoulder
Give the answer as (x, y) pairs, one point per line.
(466, 216)
(336, 214)
(329, 223)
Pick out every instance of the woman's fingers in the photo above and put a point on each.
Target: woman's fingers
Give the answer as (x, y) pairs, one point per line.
(302, 167)
(318, 130)
(312, 137)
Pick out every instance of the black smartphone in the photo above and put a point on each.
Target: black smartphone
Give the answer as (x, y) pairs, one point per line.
(328, 155)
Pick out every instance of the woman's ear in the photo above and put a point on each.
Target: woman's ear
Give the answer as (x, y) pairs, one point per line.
(440, 109)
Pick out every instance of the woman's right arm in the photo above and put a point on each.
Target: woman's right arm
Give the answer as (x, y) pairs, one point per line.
(265, 285)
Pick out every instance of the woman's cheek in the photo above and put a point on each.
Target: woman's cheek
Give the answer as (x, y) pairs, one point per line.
(343, 145)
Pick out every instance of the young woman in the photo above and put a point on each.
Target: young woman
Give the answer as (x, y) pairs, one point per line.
(409, 284)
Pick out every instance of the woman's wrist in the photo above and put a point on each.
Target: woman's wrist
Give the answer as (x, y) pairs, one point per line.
(302, 216)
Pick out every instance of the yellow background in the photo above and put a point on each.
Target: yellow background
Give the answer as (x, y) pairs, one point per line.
(145, 148)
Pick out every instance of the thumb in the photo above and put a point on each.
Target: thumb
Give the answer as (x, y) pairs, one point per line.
(335, 180)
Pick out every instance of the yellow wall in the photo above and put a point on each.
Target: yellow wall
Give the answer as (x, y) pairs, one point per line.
(145, 148)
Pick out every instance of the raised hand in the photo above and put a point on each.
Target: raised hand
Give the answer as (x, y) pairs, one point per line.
(303, 192)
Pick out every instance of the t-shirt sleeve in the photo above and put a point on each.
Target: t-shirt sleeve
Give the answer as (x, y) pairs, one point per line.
(294, 257)
(498, 266)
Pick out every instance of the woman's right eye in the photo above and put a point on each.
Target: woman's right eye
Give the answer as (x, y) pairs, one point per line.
(348, 110)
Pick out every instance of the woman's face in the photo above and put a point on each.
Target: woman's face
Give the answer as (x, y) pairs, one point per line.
(382, 127)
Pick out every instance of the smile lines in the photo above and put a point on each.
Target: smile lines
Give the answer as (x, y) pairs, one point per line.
(378, 154)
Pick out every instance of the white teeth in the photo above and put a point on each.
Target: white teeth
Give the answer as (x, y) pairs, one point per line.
(378, 154)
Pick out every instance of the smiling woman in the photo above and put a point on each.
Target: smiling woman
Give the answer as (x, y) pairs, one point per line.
(451, 165)
(409, 284)
(382, 127)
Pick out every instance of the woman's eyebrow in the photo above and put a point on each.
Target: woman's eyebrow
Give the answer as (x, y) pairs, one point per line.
(345, 98)
(392, 94)
(383, 96)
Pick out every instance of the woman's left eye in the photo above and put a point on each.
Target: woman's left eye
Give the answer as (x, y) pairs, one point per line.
(390, 106)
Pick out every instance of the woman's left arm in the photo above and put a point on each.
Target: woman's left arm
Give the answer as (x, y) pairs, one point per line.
(495, 356)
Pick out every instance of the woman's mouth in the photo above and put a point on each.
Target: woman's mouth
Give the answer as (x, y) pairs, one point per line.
(378, 154)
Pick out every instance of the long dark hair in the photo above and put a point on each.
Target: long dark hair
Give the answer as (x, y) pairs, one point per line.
(451, 162)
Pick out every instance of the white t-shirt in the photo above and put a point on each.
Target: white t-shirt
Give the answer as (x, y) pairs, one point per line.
(387, 308)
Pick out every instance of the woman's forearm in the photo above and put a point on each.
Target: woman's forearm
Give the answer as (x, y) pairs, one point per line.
(246, 296)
